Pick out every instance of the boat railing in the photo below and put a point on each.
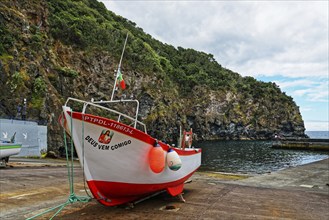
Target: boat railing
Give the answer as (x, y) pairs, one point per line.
(98, 104)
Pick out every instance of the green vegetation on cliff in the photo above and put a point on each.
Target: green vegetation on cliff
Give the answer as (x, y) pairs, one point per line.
(52, 49)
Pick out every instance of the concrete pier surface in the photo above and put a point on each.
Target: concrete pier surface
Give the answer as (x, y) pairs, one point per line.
(31, 186)
(302, 144)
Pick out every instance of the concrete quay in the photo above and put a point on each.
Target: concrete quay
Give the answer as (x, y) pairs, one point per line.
(32, 186)
(302, 144)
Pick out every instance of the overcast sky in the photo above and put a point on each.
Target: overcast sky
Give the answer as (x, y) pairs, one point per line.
(281, 41)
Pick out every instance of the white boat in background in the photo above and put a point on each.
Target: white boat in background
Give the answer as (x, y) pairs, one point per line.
(7, 149)
(121, 162)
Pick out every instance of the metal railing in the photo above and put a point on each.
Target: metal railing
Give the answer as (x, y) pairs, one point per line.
(120, 114)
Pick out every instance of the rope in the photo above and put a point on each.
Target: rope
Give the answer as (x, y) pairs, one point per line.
(70, 175)
(83, 155)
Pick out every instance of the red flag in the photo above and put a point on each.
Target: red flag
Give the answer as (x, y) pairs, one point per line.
(121, 81)
(122, 84)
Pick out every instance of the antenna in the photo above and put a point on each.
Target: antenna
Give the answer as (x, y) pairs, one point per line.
(118, 71)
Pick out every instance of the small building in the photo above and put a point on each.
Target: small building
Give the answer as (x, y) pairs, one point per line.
(32, 136)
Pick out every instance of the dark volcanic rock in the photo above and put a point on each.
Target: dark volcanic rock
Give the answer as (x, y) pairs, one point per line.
(46, 71)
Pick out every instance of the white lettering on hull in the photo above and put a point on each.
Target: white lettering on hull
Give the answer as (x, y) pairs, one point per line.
(108, 124)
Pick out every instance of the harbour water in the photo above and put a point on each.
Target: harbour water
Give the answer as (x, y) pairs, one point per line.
(318, 134)
(252, 157)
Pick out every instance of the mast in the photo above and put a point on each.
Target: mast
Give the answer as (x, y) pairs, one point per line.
(118, 71)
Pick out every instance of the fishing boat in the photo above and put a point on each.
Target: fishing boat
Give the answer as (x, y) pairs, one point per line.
(7, 149)
(122, 163)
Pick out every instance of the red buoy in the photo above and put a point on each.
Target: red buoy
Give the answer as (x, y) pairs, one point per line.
(157, 159)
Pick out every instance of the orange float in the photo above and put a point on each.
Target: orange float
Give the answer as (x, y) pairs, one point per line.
(157, 159)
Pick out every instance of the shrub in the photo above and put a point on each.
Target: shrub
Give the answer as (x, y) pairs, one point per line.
(66, 71)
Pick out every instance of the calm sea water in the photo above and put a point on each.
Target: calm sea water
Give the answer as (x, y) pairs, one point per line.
(252, 157)
(318, 134)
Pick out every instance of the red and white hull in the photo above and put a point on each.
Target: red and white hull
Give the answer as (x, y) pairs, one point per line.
(117, 168)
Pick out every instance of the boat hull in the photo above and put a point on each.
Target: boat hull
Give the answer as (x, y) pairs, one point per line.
(117, 168)
(115, 193)
(9, 149)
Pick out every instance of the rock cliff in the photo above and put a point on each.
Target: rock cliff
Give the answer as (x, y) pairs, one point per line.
(51, 50)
